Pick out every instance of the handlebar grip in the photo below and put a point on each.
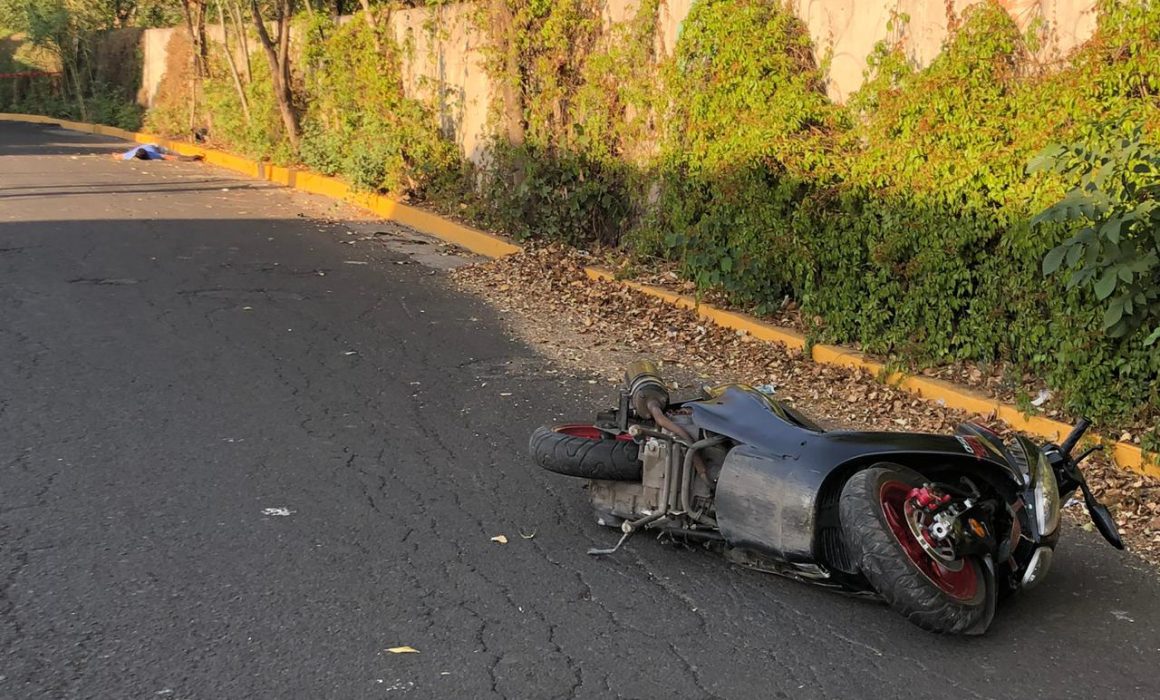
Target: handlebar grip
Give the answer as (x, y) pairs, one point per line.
(1073, 437)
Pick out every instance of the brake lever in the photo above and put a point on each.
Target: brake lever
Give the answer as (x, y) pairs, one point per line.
(1087, 453)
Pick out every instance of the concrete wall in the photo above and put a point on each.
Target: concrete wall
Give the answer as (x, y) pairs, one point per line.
(444, 58)
(849, 29)
(154, 55)
(443, 65)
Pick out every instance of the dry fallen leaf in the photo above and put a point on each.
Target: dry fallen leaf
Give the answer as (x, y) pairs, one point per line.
(502, 539)
(403, 650)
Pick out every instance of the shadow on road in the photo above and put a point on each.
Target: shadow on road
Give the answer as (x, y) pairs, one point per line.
(55, 192)
(36, 140)
(176, 367)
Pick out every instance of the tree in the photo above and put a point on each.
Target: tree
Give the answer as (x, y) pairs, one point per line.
(372, 22)
(277, 50)
(63, 28)
(156, 13)
(118, 13)
(245, 102)
(194, 12)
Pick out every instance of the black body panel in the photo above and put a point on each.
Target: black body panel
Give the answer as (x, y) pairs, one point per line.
(776, 489)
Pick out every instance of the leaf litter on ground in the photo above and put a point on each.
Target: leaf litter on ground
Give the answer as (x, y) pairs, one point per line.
(601, 326)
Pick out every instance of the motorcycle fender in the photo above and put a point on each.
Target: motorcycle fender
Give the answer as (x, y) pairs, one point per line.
(767, 504)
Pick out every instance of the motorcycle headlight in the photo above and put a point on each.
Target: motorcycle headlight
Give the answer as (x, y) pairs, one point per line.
(1047, 501)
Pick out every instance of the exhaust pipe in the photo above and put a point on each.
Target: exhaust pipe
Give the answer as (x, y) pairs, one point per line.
(646, 389)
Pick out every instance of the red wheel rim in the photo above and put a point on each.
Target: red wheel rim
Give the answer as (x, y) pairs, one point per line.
(961, 585)
(589, 432)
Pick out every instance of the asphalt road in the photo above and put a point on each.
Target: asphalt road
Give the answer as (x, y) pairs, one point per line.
(240, 458)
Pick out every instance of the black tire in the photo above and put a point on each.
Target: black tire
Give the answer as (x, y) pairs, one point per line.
(607, 459)
(891, 571)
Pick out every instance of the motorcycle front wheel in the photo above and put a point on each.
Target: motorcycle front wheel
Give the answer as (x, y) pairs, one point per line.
(930, 595)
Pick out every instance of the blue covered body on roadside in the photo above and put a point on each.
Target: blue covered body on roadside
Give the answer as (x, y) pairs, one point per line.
(149, 151)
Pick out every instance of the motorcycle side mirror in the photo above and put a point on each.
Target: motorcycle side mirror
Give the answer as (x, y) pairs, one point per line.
(1104, 522)
(1102, 518)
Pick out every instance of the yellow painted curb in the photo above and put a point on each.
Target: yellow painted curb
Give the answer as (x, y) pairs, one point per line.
(944, 393)
(472, 239)
(1125, 455)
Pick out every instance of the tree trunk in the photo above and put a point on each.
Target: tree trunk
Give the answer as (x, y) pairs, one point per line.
(66, 44)
(277, 49)
(79, 90)
(236, 16)
(233, 67)
(512, 106)
(194, 11)
(373, 24)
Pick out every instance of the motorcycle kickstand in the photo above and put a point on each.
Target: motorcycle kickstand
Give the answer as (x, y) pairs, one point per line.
(629, 529)
(596, 551)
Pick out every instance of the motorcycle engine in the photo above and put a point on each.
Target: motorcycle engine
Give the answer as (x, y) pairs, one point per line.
(615, 501)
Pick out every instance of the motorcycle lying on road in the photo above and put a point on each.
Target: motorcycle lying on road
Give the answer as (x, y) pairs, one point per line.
(940, 527)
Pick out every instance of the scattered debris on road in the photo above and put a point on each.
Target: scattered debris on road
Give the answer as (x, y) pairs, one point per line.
(278, 512)
(502, 539)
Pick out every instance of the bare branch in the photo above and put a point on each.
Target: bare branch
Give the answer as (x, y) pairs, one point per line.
(233, 66)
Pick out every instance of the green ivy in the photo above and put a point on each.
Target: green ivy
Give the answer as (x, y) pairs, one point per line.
(1116, 201)
(261, 136)
(358, 123)
(900, 222)
(747, 124)
(559, 176)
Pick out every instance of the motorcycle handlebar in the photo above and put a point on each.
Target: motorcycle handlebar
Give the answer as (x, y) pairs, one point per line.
(1074, 436)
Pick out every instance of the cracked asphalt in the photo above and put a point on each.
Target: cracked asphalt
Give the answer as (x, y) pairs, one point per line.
(241, 458)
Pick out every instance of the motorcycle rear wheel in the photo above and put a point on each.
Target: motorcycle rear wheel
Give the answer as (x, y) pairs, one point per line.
(914, 584)
(580, 450)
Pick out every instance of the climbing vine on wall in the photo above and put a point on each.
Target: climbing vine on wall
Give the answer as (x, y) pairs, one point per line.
(900, 221)
(360, 124)
(537, 181)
